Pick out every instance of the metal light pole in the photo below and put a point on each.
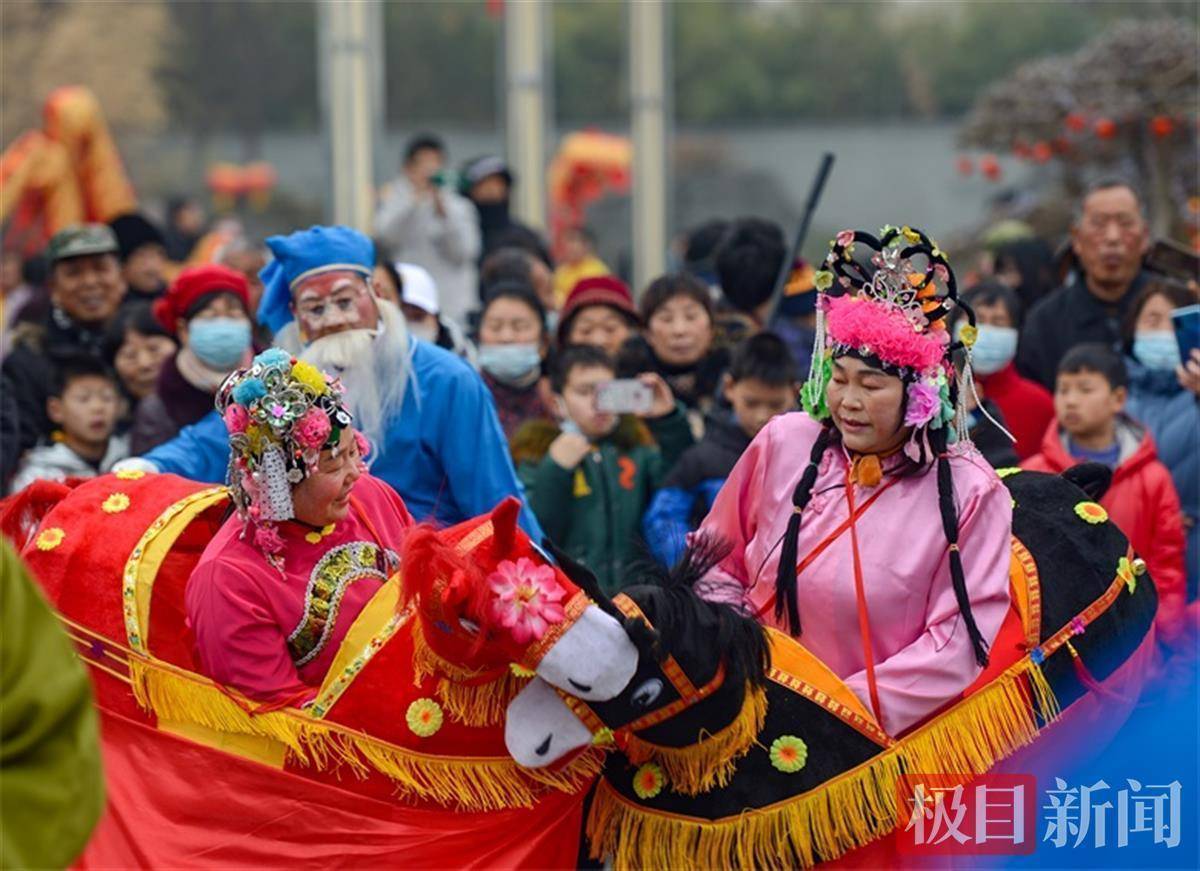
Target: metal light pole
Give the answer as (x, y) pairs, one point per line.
(648, 101)
(347, 33)
(525, 83)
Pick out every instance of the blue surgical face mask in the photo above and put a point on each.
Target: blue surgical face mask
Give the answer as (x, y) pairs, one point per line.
(994, 349)
(220, 343)
(1157, 349)
(510, 364)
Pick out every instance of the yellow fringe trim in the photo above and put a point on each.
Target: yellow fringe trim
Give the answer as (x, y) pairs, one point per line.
(472, 704)
(711, 761)
(847, 812)
(469, 783)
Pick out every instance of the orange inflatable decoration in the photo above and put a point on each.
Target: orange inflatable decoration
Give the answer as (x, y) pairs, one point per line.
(588, 165)
(64, 174)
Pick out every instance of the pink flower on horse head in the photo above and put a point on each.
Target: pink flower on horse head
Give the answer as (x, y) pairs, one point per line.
(844, 238)
(528, 598)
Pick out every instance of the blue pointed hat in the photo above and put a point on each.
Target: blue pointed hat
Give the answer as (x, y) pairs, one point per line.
(303, 254)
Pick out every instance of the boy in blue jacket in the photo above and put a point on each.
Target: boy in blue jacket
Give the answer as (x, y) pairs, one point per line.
(761, 383)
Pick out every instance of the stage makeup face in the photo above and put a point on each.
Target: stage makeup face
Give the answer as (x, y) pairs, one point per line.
(333, 302)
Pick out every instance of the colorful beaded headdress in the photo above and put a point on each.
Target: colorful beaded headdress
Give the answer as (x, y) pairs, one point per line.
(280, 413)
(886, 301)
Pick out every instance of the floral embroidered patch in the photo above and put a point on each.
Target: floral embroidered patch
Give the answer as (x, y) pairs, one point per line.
(50, 538)
(130, 474)
(115, 503)
(789, 754)
(424, 717)
(1092, 512)
(649, 780)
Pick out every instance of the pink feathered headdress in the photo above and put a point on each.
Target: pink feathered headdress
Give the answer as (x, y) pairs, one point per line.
(883, 331)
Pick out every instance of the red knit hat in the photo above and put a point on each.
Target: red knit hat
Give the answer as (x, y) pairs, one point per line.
(598, 290)
(193, 283)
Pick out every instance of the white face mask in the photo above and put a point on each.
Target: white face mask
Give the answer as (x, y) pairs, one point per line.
(425, 330)
(994, 348)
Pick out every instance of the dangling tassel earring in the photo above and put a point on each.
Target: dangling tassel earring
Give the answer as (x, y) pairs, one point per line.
(969, 384)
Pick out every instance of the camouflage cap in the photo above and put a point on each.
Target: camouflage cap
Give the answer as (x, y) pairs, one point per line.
(80, 240)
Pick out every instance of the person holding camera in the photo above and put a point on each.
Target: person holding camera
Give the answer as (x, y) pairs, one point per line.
(590, 477)
(423, 221)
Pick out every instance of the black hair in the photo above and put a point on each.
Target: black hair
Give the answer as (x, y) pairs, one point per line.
(518, 290)
(764, 357)
(787, 608)
(703, 241)
(666, 287)
(203, 301)
(423, 142)
(989, 292)
(1108, 182)
(748, 262)
(1098, 358)
(136, 316)
(1178, 295)
(524, 239)
(508, 263)
(35, 270)
(1034, 261)
(578, 357)
(70, 367)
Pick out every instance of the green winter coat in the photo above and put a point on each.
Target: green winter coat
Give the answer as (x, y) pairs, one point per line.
(594, 511)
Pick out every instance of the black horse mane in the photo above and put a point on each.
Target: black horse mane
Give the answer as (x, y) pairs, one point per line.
(685, 625)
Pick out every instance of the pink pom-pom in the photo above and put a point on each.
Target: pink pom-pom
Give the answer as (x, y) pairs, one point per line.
(236, 419)
(858, 322)
(312, 430)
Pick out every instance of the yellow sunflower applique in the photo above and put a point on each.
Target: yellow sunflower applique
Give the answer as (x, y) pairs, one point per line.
(315, 537)
(130, 474)
(424, 717)
(789, 754)
(115, 503)
(1092, 512)
(648, 781)
(48, 539)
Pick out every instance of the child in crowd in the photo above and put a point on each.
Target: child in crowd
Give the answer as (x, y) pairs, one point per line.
(590, 478)
(578, 261)
(83, 404)
(1089, 400)
(760, 384)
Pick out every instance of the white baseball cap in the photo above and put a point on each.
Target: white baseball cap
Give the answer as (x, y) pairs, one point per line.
(418, 287)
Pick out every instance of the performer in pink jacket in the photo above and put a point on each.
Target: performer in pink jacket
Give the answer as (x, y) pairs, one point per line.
(868, 525)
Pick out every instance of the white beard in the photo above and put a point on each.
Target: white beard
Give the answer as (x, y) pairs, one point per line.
(372, 364)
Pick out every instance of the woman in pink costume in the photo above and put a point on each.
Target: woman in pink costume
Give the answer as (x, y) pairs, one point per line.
(893, 542)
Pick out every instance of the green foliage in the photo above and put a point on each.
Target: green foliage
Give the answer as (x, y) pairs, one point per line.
(241, 66)
(252, 65)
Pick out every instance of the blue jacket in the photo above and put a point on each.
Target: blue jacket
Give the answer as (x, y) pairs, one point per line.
(445, 453)
(1172, 415)
(688, 491)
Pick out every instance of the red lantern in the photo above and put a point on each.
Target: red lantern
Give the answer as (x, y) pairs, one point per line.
(1042, 152)
(1106, 128)
(1162, 126)
(965, 166)
(1020, 150)
(990, 167)
(1076, 123)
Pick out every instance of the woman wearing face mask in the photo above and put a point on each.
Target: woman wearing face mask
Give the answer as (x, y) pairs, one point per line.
(868, 526)
(513, 342)
(1026, 406)
(206, 307)
(1164, 398)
